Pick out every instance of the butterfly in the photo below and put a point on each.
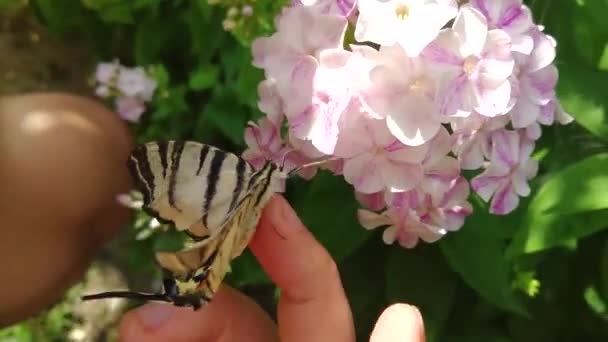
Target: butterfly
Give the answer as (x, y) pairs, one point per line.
(215, 197)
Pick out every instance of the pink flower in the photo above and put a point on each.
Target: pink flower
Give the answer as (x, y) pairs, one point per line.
(411, 23)
(136, 83)
(129, 108)
(301, 34)
(535, 84)
(473, 138)
(336, 7)
(404, 226)
(445, 204)
(511, 16)
(403, 92)
(373, 201)
(474, 66)
(376, 161)
(264, 143)
(314, 111)
(106, 72)
(270, 101)
(506, 177)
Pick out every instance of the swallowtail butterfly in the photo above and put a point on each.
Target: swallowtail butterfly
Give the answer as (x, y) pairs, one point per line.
(215, 197)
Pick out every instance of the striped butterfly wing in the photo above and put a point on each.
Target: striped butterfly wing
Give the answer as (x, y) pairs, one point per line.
(200, 269)
(213, 195)
(192, 185)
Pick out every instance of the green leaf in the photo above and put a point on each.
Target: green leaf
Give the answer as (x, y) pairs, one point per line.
(582, 92)
(568, 206)
(333, 223)
(363, 278)
(156, 37)
(117, 13)
(223, 115)
(421, 277)
(246, 271)
(59, 15)
(477, 255)
(582, 186)
(204, 77)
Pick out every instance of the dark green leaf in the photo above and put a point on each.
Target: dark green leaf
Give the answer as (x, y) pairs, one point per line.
(555, 214)
(246, 271)
(222, 115)
(477, 255)
(363, 278)
(204, 77)
(581, 90)
(421, 277)
(328, 208)
(582, 186)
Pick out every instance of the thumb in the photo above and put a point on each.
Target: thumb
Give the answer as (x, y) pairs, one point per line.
(399, 322)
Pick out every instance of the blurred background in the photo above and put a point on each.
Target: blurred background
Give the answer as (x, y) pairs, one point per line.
(538, 274)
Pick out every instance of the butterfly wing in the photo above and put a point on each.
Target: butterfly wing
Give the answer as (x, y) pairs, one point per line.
(200, 269)
(192, 185)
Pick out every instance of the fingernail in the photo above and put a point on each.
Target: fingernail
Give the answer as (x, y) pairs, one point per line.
(153, 316)
(291, 221)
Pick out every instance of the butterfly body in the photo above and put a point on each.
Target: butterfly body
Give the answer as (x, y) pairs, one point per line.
(213, 196)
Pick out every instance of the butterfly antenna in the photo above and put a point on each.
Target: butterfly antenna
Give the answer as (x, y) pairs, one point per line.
(315, 163)
(129, 295)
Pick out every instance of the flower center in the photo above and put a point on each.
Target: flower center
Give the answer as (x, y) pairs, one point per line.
(470, 65)
(420, 86)
(402, 12)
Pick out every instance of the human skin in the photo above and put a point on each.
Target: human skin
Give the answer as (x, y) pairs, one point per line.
(62, 164)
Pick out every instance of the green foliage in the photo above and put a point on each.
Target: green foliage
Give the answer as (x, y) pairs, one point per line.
(538, 274)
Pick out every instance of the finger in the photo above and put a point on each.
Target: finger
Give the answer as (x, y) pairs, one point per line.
(313, 306)
(399, 322)
(231, 316)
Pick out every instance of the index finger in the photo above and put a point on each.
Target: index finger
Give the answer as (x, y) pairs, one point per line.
(313, 305)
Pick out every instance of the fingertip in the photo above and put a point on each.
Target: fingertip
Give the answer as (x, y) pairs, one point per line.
(399, 322)
(229, 316)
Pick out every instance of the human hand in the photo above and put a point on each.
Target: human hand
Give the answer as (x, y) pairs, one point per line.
(62, 162)
(312, 306)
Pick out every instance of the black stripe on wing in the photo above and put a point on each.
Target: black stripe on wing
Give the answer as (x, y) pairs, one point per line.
(201, 159)
(176, 155)
(141, 172)
(162, 153)
(269, 168)
(213, 176)
(241, 167)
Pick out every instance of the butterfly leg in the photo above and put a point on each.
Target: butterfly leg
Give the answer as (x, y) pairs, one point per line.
(194, 299)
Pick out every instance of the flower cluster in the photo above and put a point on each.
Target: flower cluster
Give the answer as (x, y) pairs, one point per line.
(433, 88)
(129, 88)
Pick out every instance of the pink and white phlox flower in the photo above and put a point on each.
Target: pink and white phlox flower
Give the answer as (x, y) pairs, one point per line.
(336, 7)
(402, 91)
(129, 108)
(105, 73)
(507, 175)
(264, 143)
(135, 82)
(445, 204)
(472, 138)
(301, 34)
(373, 201)
(473, 65)
(536, 81)
(376, 161)
(270, 101)
(404, 226)
(511, 16)
(411, 23)
(314, 111)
